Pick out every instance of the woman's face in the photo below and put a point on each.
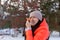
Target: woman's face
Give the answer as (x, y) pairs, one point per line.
(33, 20)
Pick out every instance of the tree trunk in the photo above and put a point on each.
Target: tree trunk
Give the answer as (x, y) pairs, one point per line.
(59, 34)
(59, 4)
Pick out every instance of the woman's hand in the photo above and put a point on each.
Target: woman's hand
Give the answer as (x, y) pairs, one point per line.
(28, 24)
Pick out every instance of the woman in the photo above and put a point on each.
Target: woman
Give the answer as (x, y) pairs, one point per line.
(36, 27)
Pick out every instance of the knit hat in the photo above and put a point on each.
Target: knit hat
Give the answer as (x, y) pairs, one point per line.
(36, 14)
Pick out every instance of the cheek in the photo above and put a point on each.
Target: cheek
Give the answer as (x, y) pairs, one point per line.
(36, 21)
(32, 21)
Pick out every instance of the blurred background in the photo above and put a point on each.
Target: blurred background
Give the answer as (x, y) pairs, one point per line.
(13, 13)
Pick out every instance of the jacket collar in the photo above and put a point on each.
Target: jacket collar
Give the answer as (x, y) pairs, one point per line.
(40, 26)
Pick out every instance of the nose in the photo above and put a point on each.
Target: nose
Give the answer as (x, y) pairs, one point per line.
(31, 18)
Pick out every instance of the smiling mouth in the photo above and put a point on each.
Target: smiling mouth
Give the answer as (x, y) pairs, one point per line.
(33, 22)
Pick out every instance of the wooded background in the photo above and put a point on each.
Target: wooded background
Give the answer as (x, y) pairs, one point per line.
(13, 13)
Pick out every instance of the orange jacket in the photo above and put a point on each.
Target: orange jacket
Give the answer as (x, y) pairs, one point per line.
(41, 33)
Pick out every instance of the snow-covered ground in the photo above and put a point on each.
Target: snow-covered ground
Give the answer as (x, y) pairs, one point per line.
(54, 36)
(20, 37)
(7, 37)
(11, 34)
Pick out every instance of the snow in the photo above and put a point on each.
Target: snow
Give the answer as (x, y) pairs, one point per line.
(7, 37)
(11, 34)
(54, 38)
(14, 36)
(20, 37)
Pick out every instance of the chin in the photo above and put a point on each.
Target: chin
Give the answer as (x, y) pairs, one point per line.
(32, 24)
